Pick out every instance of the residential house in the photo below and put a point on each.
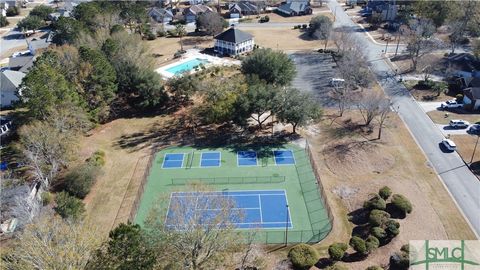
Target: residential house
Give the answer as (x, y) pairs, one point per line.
(387, 9)
(160, 15)
(233, 42)
(10, 82)
(471, 95)
(192, 12)
(21, 63)
(198, 2)
(295, 8)
(245, 8)
(39, 44)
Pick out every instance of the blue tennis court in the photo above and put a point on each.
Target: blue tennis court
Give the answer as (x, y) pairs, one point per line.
(172, 161)
(210, 159)
(247, 158)
(284, 157)
(251, 209)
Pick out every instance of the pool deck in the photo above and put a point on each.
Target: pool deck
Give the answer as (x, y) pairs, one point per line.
(195, 54)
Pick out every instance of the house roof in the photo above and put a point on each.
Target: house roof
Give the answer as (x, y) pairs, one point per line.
(197, 9)
(295, 6)
(15, 77)
(160, 12)
(234, 35)
(40, 43)
(21, 63)
(244, 6)
(472, 93)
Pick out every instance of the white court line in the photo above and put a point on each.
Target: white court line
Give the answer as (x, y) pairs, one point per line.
(211, 152)
(260, 205)
(164, 159)
(168, 209)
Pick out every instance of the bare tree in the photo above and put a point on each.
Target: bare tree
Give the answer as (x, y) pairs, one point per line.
(354, 69)
(53, 243)
(194, 239)
(420, 41)
(383, 115)
(343, 39)
(371, 105)
(342, 96)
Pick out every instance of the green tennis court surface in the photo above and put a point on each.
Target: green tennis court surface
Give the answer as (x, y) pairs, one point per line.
(285, 168)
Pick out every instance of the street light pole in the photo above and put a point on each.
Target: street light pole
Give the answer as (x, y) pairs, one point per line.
(474, 149)
(286, 227)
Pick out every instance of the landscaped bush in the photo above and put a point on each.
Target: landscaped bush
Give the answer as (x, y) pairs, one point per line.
(378, 232)
(378, 217)
(392, 228)
(69, 207)
(337, 251)
(80, 180)
(459, 98)
(161, 33)
(376, 202)
(304, 26)
(3, 21)
(400, 260)
(97, 159)
(358, 244)
(303, 256)
(385, 192)
(12, 11)
(402, 203)
(151, 36)
(372, 243)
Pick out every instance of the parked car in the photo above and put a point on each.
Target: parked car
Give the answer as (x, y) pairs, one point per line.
(474, 129)
(451, 104)
(449, 144)
(459, 124)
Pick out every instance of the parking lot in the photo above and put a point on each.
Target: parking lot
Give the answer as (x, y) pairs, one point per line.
(314, 71)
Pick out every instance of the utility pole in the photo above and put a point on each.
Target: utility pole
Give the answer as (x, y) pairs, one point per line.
(474, 149)
(386, 46)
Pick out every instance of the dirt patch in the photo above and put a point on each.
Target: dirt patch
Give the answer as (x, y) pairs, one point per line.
(283, 39)
(349, 157)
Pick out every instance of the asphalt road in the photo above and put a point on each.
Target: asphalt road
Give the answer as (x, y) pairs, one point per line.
(459, 180)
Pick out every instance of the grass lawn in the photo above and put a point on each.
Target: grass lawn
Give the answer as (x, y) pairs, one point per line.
(283, 38)
(438, 117)
(425, 94)
(352, 166)
(308, 215)
(465, 146)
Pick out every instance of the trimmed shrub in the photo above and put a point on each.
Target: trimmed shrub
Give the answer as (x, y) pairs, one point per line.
(69, 207)
(372, 243)
(459, 98)
(376, 202)
(385, 192)
(400, 260)
(151, 36)
(97, 159)
(303, 256)
(402, 203)
(358, 244)
(378, 217)
(12, 11)
(392, 228)
(337, 251)
(378, 232)
(80, 180)
(47, 198)
(374, 267)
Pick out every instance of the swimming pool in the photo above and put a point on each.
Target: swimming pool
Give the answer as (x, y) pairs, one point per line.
(186, 66)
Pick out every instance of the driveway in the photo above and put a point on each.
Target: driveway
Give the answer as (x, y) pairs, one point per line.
(448, 130)
(12, 39)
(457, 177)
(429, 106)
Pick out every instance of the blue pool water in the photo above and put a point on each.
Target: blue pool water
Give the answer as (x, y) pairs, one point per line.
(186, 66)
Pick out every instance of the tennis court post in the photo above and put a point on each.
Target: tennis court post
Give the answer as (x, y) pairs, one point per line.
(286, 227)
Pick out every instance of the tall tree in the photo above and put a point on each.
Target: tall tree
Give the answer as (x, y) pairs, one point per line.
(297, 108)
(53, 243)
(371, 105)
(3, 21)
(98, 80)
(436, 11)
(211, 23)
(353, 68)
(127, 248)
(271, 66)
(420, 41)
(45, 87)
(320, 28)
(86, 13)
(66, 30)
(42, 11)
(30, 23)
(476, 48)
(180, 32)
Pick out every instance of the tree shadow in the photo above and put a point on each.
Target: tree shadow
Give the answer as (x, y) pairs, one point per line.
(354, 257)
(358, 216)
(324, 263)
(362, 231)
(395, 212)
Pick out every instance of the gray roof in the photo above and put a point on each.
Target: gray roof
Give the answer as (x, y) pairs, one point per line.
(21, 63)
(234, 35)
(160, 12)
(197, 9)
(296, 6)
(245, 6)
(14, 76)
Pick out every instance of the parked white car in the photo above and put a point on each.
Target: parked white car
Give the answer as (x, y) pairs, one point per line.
(449, 144)
(451, 104)
(459, 124)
